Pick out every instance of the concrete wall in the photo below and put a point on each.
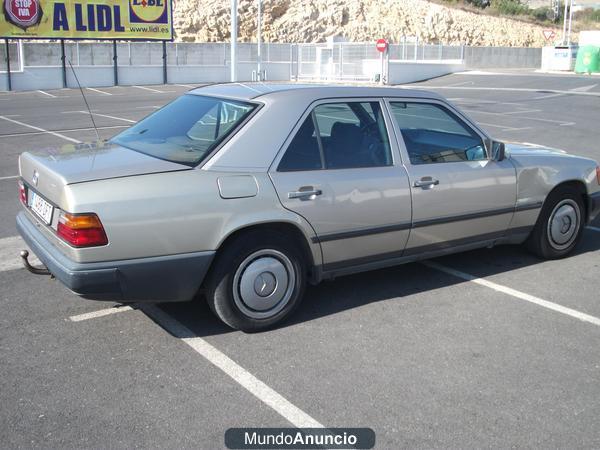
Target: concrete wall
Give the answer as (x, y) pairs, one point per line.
(400, 72)
(33, 78)
(502, 57)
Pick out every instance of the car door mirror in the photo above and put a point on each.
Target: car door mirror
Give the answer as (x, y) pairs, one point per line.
(498, 151)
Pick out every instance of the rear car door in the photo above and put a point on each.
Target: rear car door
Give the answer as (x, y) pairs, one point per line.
(460, 195)
(341, 171)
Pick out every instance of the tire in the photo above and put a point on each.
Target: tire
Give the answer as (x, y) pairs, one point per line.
(257, 280)
(559, 227)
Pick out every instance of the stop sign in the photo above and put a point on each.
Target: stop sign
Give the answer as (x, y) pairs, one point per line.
(23, 13)
(381, 45)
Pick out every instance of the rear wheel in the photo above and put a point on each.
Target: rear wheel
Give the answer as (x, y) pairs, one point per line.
(258, 280)
(560, 224)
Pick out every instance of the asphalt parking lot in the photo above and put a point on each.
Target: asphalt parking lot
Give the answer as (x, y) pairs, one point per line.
(491, 348)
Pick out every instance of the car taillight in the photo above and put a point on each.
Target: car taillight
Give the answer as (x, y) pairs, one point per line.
(598, 174)
(23, 192)
(81, 230)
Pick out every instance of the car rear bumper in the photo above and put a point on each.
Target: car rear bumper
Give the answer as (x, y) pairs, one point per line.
(156, 279)
(594, 206)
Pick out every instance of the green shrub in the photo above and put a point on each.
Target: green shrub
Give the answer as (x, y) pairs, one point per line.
(510, 7)
(542, 14)
(588, 15)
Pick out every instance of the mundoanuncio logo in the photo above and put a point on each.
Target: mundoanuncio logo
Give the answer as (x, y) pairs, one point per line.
(23, 13)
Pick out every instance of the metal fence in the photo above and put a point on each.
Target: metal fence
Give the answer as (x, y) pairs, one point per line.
(360, 61)
(40, 54)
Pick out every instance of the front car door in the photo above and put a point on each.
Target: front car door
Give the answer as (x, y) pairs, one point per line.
(460, 194)
(340, 169)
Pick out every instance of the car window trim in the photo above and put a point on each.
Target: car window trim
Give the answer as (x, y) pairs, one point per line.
(318, 136)
(395, 151)
(466, 122)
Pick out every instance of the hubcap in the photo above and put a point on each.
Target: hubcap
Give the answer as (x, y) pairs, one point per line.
(563, 225)
(263, 283)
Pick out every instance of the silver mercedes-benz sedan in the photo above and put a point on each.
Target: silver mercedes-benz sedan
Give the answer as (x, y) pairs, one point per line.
(243, 193)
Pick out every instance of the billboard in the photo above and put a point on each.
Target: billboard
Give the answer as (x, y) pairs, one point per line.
(80, 19)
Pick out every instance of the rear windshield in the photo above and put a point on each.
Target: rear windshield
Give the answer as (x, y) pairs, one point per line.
(186, 130)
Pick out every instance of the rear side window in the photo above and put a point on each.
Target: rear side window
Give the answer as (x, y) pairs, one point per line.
(187, 129)
(340, 135)
(433, 134)
(303, 152)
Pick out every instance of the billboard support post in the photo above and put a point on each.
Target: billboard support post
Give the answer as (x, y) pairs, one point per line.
(115, 68)
(164, 58)
(63, 63)
(8, 65)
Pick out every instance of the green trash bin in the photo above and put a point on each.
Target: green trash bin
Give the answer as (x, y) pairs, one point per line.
(588, 59)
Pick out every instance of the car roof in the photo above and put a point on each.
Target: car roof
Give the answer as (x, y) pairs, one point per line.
(311, 92)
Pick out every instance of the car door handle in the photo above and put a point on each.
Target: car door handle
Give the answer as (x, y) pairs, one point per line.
(426, 182)
(308, 194)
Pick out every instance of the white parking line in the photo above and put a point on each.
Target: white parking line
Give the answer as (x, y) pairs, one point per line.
(10, 259)
(260, 390)
(503, 127)
(514, 293)
(462, 83)
(100, 313)
(12, 177)
(53, 133)
(558, 122)
(47, 93)
(110, 117)
(521, 111)
(471, 88)
(33, 133)
(99, 91)
(149, 89)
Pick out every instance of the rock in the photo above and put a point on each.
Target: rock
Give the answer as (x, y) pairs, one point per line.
(357, 20)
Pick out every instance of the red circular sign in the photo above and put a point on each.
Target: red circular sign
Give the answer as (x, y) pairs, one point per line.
(23, 13)
(381, 45)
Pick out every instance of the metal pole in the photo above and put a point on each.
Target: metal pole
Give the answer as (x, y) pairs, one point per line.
(416, 48)
(63, 62)
(381, 71)
(233, 46)
(8, 65)
(565, 23)
(570, 22)
(164, 56)
(259, 41)
(387, 66)
(115, 70)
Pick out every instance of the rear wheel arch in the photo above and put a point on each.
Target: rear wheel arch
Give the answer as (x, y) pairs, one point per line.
(275, 254)
(285, 228)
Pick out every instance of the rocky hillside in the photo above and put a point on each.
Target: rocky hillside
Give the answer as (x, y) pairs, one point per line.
(356, 20)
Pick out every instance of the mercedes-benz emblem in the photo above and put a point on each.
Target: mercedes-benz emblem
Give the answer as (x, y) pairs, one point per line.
(35, 178)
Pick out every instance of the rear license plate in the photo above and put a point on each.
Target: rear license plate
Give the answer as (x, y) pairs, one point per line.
(41, 207)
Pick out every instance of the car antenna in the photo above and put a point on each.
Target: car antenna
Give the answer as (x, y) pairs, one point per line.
(85, 100)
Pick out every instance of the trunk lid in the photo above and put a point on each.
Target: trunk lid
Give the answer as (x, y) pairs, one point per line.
(49, 170)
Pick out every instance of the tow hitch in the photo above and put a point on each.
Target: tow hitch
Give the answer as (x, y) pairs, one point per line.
(34, 270)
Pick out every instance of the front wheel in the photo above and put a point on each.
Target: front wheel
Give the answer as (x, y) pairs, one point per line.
(257, 281)
(560, 224)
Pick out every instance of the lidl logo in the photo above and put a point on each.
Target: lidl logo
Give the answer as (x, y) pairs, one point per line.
(148, 11)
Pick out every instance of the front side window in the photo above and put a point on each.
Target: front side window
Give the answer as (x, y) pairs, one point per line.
(186, 130)
(432, 134)
(340, 136)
